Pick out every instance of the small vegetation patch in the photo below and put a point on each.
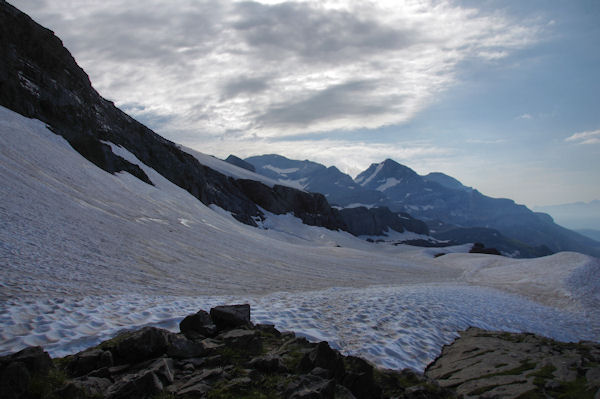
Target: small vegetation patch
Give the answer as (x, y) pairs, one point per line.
(45, 386)
(573, 389)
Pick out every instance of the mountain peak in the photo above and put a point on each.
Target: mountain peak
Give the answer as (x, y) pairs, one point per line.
(386, 174)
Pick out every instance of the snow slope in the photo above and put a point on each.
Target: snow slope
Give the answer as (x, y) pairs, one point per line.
(84, 253)
(229, 169)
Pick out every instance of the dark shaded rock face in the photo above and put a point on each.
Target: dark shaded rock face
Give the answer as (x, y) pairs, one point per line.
(479, 248)
(489, 238)
(40, 79)
(242, 361)
(18, 370)
(376, 221)
(311, 208)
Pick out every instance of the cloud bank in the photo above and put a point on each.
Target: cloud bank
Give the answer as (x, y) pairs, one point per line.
(277, 68)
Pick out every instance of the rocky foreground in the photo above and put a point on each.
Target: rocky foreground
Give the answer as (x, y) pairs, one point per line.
(221, 354)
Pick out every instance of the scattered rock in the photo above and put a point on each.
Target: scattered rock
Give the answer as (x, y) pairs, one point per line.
(181, 347)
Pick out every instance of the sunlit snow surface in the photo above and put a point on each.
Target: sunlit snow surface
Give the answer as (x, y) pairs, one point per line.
(84, 254)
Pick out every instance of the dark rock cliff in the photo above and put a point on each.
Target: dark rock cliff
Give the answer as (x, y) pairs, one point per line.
(40, 79)
(376, 221)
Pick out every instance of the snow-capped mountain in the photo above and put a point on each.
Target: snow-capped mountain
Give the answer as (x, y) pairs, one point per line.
(339, 188)
(452, 210)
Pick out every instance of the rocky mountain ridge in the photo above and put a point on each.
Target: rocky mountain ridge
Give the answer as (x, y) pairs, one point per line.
(449, 208)
(40, 79)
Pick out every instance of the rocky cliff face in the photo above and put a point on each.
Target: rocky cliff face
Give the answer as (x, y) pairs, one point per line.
(40, 79)
(377, 221)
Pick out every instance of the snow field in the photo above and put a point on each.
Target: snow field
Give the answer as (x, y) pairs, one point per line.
(394, 327)
(84, 253)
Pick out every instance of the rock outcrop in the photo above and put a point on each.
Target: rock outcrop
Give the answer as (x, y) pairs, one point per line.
(484, 364)
(237, 359)
(377, 221)
(221, 354)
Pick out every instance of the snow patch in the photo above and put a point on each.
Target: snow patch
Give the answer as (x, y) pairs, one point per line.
(358, 204)
(281, 171)
(389, 183)
(364, 181)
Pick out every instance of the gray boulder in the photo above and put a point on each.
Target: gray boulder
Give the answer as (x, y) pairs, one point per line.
(144, 344)
(89, 360)
(324, 357)
(230, 316)
(198, 324)
(135, 386)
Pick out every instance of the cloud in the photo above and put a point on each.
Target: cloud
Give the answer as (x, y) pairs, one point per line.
(277, 68)
(483, 141)
(588, 137)
(525, 116)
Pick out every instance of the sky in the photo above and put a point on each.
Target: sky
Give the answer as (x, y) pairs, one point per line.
(503, 95)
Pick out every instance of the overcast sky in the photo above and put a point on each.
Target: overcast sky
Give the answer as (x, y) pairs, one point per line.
(503, 95)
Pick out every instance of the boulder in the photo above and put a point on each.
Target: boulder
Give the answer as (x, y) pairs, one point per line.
(35, 360)
(135, 386)
(246, 340)
(164, 370)
(324, 357)
(230, 316)
(180, 347)
(268, 364)
(310, 387)
(14, 380)
(144, 344)
(359, 379)
(90, 386)
(89, 360)
(198, 324)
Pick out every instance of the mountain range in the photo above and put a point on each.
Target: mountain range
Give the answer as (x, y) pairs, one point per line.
(451, 210)
(40, 79)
